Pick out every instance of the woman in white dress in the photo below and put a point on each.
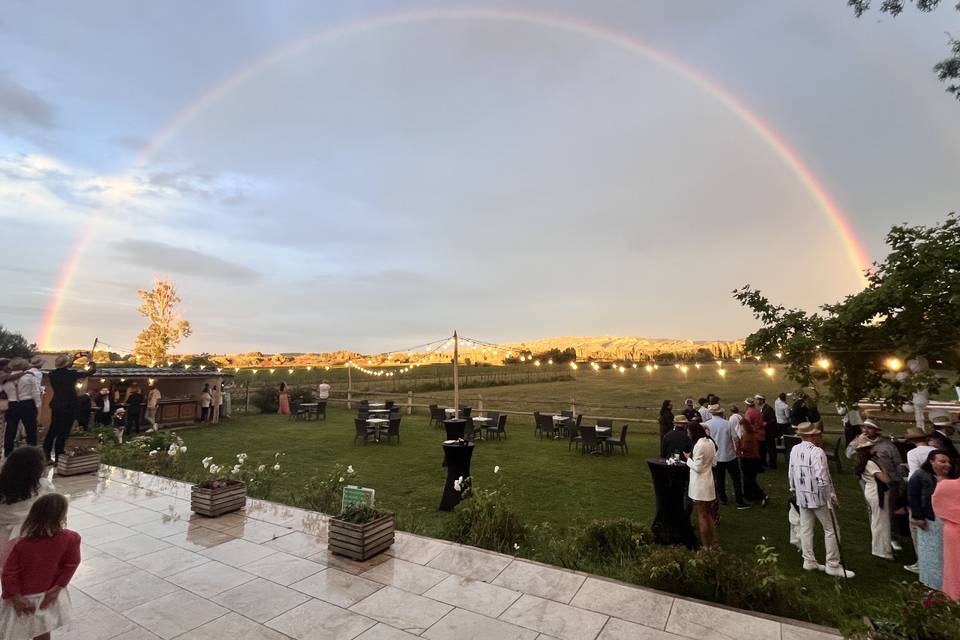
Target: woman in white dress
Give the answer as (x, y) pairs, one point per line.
(21, 483)
(702, 490)
(874, 481)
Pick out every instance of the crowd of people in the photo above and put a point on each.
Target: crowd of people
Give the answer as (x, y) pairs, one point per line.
(740, 443)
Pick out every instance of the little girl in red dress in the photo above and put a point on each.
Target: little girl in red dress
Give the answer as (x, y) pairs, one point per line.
(37, 572)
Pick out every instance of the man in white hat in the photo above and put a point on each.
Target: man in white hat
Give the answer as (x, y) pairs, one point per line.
(812, 487)
(63, 405)
(721, 431)
(889, 459)
(943, 428)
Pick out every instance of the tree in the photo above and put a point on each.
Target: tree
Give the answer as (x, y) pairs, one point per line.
(909, 308)
(165, 329)
(947, 69)
(14, 345)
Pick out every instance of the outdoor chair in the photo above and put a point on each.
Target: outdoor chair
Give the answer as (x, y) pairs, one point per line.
(363, 414)
(567, 414)
(492, 418)
(469, 429)
(388, 404)
(589, 441)
(536, 422)
(499, 427)
(437, 415)
(364, 431)
(605, 423)
(573, 433)
(619, 442)
(547, 426)
(364, 404)
(393, 429)
(465, 411)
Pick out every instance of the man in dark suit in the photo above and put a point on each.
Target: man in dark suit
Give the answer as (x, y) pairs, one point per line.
(768, 448)
(944, 428)
(676, 440)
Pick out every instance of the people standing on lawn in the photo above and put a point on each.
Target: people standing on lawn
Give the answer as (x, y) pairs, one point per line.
(323, 391)
(64, 406)
(104, 408)
(812, 488)
(21, 483)
(875, 483)
(754, 415)
(23, 405)
(666, 418)
(702, 409)
(916, 458)
(768, 446)
(748, 454)
(677, 440)
(84, 409)
(850, 417)
(283, 400)
(782, 411)
(929, 528)
(37, 572)
(723, 437)
(888, 458)
(216, 399)
(205, 399)
(946, 504)
(943, 430)
(701, 488)
(153, 401)
(736, 418)
(689, 411)
(134, 410)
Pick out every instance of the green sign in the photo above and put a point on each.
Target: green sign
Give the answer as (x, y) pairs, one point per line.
(353, 495)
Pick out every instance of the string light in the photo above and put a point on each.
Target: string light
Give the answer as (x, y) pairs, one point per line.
(676, 365)
(719, 363)
(779, 355)
(823, 363)
(769, 371)
(150, 381)
(550, 361)
(894, 363)
(684, 369)
(634, 365)
(536, 363)
(696, 364)
(573, 365)
(722, 372)
(272, 371)
(649, 368)
(737, 360)
(79, 385)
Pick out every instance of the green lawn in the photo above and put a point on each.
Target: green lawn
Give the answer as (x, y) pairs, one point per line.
(549, 483)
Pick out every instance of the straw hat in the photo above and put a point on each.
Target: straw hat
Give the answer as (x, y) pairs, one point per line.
(715, 409)
(915, 434)
(63, 361)
(760, 396)
(36, 361)
(862, 442)
(871, 424)
(808, 429)
(680, 419)
(749, 402)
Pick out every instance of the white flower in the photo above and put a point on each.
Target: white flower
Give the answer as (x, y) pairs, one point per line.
(206, 462)
(241, 458)
(341, 478)
(215, 468)
(261, 468)
(183, 449)
(173, 450)
(276, 467)
(496, 469)
(516, 547)
(235, 470)
(458, 483)
(153, 453)
(350, 469)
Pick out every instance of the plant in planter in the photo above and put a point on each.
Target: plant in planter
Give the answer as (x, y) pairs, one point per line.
(361, 532)
(78, 459)
(228, 489)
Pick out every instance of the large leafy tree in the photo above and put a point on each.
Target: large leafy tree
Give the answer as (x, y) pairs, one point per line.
(948, 69)
(852, 349)
(165, 329)
(14, 345)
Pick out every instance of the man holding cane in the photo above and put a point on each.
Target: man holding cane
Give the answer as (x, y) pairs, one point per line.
(810, 482)
(63, 406)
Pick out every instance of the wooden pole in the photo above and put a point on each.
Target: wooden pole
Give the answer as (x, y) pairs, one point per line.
(456, 374)
(349, 383)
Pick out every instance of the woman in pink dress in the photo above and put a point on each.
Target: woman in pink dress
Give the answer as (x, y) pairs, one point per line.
(283, 403)
(946, 504)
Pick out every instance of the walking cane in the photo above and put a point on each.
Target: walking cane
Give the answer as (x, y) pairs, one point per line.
(836, 534)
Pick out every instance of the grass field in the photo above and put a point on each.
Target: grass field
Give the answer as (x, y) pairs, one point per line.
(548, 483)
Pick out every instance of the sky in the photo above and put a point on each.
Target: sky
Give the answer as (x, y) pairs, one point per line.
(373, 175)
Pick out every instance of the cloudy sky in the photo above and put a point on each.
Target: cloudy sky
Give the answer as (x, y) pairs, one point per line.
(372, 175)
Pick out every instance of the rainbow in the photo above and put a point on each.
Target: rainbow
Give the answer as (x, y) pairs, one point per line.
(856, 253)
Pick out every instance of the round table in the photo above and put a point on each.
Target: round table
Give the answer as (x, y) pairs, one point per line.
(671, 524)
(457, 457)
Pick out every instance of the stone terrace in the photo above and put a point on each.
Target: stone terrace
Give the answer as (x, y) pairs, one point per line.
(152, 569)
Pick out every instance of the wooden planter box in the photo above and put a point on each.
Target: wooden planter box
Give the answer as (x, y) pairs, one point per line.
(360, 541)
(75, 465)
(216, 502)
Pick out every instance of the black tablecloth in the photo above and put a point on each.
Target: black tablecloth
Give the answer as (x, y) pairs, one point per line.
(671, 525)
(455, 428)
(457, 458)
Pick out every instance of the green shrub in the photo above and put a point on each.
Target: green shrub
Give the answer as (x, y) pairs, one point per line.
(754, 582)
(614, 541)
(265, 400)
(361, 513)
(486, 520)
(324, 493)
(919, 614)
(258, 477)
(160, 453)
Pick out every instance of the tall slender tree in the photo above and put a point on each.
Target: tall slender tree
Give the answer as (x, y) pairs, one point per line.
(165, 329)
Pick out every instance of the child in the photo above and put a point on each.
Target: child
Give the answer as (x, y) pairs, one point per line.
(120, 423)
(37, 572)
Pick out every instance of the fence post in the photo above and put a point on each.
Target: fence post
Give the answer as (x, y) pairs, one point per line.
(246, 408)
(409, 403)
(349, 397)
(573, 406)
(479, 403)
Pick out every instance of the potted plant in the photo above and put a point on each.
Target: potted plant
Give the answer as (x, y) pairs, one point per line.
(227, 490)
(360, 532)
(213, 498)
(78, 459)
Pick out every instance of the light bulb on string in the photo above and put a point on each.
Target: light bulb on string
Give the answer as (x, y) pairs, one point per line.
(722, 372)
(894, 363)
(769, 371)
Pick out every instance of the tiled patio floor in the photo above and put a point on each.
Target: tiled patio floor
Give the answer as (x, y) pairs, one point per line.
(153, 569)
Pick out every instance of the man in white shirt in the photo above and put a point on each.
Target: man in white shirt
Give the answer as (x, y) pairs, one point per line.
(24, 398)
(722, 433)
(852, 421)
(812, 486)
(703, 410)
(921, 449)
(153, 399)
(782, 410)
(323, 391)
